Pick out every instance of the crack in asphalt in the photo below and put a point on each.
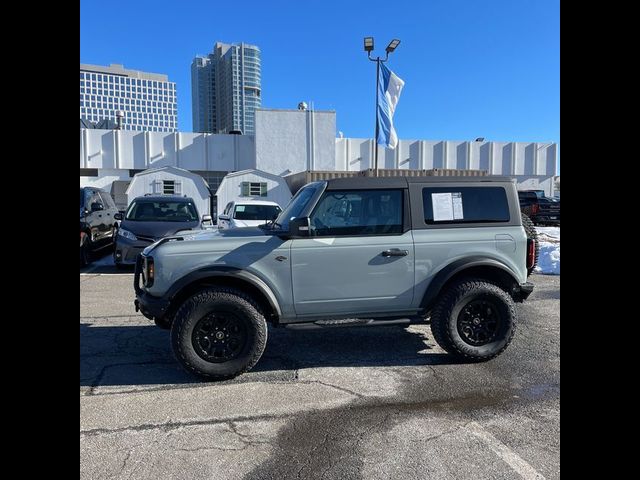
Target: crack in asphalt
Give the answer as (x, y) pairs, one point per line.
(169, 426)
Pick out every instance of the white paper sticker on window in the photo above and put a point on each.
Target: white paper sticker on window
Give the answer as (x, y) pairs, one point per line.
(240, 208)
(442, 207)
(456, 197)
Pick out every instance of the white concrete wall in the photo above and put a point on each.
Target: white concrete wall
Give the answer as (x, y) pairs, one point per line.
(122, 149)
(142, 184)
(231, 189)
(295, 140)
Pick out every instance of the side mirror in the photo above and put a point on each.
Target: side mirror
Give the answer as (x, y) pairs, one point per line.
(299, 227)
(96, 207)
(223, 217)
(207, 219)
(118, 216)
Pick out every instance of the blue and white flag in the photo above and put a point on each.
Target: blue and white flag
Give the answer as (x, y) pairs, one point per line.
(390, 86)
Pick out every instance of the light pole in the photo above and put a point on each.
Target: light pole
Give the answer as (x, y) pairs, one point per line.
(368, 47)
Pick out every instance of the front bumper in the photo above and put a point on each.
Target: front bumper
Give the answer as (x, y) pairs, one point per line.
(150, 306)
(126, 251)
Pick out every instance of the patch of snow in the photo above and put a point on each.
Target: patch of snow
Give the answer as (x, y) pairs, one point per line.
(549, 259)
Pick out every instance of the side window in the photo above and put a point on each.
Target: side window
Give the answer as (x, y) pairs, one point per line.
(358, 212)
(107, 201)
(453, 205)
(93, 197)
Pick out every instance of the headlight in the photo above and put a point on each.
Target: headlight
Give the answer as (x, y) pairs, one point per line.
(126, 234)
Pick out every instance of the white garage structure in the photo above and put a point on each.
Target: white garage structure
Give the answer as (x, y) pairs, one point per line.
(252, 185)
(171, 180)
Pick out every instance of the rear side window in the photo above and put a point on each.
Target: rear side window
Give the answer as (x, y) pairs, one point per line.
(453, 205)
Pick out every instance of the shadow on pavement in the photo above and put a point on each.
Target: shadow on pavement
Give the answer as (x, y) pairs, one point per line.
(141, 355)
(102, 262)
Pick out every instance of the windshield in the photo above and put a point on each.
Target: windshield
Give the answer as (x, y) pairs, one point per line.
(256, 212)
(161, 211)
(295, 206)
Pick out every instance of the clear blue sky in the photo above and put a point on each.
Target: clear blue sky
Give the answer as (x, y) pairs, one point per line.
(471, 69)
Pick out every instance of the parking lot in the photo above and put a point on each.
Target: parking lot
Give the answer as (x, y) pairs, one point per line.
(337, 403)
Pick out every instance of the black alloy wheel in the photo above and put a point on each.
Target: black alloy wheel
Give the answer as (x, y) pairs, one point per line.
(479, 322)
(219, 337)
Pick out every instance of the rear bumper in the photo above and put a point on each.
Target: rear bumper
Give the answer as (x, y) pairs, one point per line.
(549, 218)
(523, 291)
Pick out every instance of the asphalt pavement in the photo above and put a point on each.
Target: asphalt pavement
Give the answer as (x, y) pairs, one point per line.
(357, 402)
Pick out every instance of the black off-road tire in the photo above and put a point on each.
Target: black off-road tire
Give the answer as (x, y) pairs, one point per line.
(446, 314)
(530, 229)
(85, 252)
(218, 300)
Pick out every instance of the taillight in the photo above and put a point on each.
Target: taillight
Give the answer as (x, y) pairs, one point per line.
(534, 208)
(531, 252)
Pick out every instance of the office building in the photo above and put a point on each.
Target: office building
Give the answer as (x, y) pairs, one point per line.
(133, 99)
(226, 89)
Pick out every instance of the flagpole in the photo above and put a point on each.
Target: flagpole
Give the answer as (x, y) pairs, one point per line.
(368, 47)
(375, 138)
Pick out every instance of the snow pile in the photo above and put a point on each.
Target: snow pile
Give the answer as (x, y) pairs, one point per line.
(549, 259)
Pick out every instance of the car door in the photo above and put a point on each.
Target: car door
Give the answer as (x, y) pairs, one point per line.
(107, 214)
(94, 218)
(359, 258)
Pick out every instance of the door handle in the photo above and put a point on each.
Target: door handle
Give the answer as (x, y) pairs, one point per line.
(395, 252)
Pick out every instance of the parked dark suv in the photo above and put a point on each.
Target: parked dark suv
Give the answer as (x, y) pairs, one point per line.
(150, 218)
(98, 224)
(541, 209)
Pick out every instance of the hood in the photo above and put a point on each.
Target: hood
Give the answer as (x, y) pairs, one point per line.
(214, 233)
(156, 229)
(248, 223)
(215, 242)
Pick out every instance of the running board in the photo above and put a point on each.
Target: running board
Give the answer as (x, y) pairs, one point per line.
(348, 322)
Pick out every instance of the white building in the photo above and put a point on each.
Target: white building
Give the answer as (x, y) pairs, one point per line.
(252, 185)
(172, 180)
(146, 100)
(292, 141)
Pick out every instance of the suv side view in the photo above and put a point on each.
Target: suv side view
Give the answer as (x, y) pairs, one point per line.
(348, 251)
(98, 224)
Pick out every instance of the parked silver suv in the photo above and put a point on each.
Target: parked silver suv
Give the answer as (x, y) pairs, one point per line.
(348, 251)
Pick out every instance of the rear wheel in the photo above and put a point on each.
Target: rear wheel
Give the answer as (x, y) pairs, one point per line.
(530, 229)
(218, 333)
(474, 320)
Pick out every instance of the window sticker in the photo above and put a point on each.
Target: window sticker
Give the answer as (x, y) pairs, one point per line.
(456, 197)
(240, 208)
(442, 206)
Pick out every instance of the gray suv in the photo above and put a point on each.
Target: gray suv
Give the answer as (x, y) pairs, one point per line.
(454, 251)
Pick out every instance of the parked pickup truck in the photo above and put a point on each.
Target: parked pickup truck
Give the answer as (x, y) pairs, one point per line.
(453, 251)
(542, 210)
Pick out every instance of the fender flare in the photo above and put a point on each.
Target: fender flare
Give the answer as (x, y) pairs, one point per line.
(455, 267)
(221, 272)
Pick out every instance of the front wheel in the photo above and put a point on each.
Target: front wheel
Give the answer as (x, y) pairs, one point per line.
(218, 333)
(474, 320)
